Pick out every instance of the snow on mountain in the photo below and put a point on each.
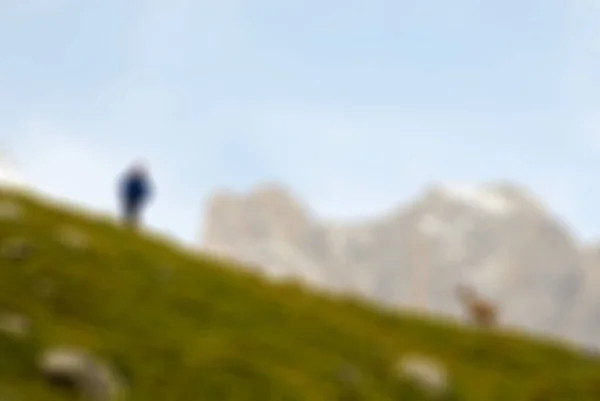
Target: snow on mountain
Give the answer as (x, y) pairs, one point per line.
(485, 199)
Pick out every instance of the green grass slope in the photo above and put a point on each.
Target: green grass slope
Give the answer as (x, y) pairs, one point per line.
(180, 327)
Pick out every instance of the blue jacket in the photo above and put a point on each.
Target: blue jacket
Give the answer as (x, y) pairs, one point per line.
(135, 188)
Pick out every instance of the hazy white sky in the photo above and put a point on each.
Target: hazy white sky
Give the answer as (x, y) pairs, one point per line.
(356, 104)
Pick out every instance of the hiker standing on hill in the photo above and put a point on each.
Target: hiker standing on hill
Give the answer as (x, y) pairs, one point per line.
(134, 192)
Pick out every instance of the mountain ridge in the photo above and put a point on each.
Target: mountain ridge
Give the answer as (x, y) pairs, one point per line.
(497, 237)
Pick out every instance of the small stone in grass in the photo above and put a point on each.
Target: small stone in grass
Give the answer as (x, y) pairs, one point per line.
(423, 372)
(82, 373)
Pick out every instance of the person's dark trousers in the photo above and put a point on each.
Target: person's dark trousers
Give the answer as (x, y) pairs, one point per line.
(131, 213)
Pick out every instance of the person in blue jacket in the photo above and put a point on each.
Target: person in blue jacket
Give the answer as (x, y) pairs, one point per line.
(134, 193)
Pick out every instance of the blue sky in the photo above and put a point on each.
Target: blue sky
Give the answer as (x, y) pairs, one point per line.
(357, 105)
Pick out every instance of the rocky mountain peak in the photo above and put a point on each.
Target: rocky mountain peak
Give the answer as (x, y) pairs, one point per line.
(496, 199)
(496, 238)
(277, 200)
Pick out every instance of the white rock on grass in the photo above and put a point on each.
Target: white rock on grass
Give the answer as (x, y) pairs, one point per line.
(424, 372)
(83, 373)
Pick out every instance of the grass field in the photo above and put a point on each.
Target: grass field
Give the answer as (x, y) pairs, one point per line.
(181, 327)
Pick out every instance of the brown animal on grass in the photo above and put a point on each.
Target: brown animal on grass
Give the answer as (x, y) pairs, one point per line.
(481, 313)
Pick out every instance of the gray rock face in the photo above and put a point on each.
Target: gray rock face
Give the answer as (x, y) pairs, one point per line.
(497, 239)
(586, 314)
(268, 229)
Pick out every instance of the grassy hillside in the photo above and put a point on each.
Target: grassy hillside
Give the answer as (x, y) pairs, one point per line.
(176, 327)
